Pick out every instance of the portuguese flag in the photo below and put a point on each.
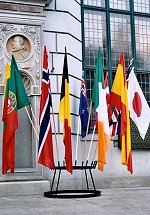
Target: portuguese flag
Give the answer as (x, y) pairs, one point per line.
(64, 115)
(15, 97)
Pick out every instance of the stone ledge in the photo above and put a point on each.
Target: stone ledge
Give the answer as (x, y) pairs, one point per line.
(123, 182)
(104, 183)
(24, 188)
(29, 2)
(39, 187)
(21, 8)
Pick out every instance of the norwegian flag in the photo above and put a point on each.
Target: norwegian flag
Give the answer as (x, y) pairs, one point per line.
(45, 149)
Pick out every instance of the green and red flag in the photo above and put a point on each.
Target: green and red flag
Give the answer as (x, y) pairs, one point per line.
(15, 98)
(100, 106)
(64, 115)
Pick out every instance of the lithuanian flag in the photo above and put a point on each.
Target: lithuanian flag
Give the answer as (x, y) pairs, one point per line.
(119, 100)
(64, 115)
(100, 106)
(15, 98)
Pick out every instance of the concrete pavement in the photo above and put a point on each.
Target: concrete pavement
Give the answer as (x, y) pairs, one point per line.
(112, 202)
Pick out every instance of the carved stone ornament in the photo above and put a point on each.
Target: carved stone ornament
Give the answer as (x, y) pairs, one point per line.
(19, 46)
(22, 41)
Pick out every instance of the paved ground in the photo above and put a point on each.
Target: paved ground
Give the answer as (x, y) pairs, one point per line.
(111, 202)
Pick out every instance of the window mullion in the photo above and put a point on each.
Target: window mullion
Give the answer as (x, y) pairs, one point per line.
(132, 24)
(108, 41)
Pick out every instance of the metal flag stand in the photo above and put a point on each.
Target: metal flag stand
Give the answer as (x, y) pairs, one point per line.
(73, 193)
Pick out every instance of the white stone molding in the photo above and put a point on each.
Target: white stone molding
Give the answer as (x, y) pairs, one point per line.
(21, 18)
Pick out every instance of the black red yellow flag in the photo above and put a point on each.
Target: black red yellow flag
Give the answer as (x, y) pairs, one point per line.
(64, 115)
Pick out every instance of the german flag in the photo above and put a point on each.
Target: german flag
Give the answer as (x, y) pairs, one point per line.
(119, 100)
(64, 115)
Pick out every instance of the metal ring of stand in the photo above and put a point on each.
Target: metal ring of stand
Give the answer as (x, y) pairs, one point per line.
(74, 193)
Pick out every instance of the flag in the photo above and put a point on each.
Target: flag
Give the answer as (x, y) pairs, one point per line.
(139, 109)
(113, 115)
(45, 149)
(129, 69)
(114, 123)
(64, 115)
(119, 100)
(15, 98)
(83, 109)
(106, 86)
(100, 106)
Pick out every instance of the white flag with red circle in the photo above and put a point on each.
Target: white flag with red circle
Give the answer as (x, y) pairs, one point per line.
(138, 106)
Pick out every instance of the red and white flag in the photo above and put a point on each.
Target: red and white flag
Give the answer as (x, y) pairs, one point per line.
(138, 106)
(106, 86)
(113, 116)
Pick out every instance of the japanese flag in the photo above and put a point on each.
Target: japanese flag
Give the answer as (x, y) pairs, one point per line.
(138, 106)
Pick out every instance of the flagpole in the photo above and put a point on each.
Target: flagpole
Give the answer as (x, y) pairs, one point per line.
(95, 153)
(87, 129)
(91, 143)
(34, 117)
(55, 135)
(77, 139)
(31, 123)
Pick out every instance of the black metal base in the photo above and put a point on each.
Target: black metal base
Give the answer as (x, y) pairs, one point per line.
(72, 194)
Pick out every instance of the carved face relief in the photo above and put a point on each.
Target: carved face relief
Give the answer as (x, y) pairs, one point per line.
(19, 46)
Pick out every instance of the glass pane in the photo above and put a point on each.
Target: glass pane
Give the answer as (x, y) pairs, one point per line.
(89, 83)
(142, 36)
(120, 38)
(98, 3)
(142, 6)
(119, 4)
(95, 36)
